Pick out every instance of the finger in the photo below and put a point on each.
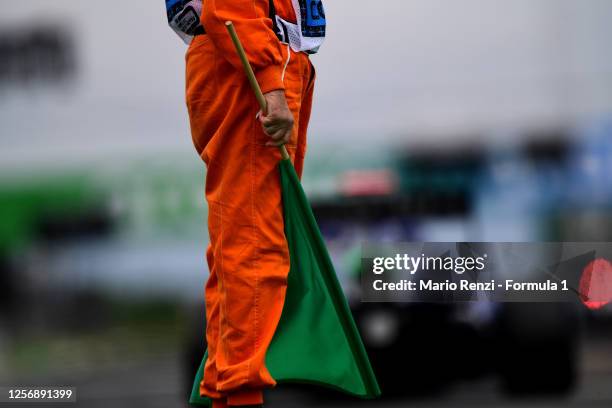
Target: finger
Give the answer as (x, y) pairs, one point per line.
(283, 138)
(272, 130)
(269, 120)
(287, 136)
(263, 118)
(278, 136)
(277, 141)
(275, 144)
(272, 125)
(278, 125)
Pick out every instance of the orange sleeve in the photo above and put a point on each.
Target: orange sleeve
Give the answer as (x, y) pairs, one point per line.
(255, 30)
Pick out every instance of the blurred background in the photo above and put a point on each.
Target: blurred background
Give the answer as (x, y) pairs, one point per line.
(479, 120)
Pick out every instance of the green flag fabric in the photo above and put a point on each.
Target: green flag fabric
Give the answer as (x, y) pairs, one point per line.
(316, 340)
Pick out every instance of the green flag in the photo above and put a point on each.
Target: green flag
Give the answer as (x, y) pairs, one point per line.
(316, 340)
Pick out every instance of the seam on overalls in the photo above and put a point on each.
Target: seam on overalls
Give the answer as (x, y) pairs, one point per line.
(222, 317)
(252, 149)
(220, 204)
(255, 241)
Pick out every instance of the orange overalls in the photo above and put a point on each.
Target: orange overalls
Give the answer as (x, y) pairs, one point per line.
(248, 256)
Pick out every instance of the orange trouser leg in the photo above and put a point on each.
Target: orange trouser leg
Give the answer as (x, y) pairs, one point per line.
(248, 256)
